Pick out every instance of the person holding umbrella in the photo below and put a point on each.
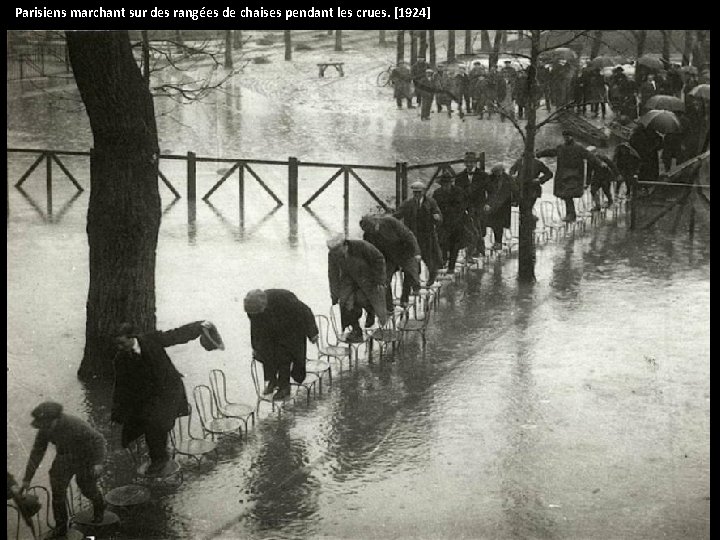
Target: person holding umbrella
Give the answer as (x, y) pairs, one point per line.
(647, 142)
(647, 90)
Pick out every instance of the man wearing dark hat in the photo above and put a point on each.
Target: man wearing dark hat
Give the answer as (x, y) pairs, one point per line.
(149, 393)
(452, 202)
(400, 248)
(497, 207)
(279, 326)
(422, 215)
(356, 272)
(464, 178)
(79, 452)
(570, 171)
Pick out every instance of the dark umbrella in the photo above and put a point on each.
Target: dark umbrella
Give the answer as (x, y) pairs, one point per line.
(650, 62)
(701, 91)
(661, 121)
(665, 103)
(602, 62)
(563, 53)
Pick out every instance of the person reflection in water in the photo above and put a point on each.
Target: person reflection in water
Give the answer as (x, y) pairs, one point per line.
(279, 325)
(149, 393)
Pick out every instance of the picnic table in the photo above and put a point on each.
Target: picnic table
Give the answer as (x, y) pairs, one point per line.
(322, 66)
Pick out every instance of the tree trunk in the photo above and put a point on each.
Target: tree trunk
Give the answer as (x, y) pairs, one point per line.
(382, 37)
(451, 46)
(484, 41)
(596, 43)
(288, 44)
(400, 54)
(124, 209)
(688, 47)
(413, 47)
(701, 50)
(468, 41)
(640, 37)
(228, 49)
(179, 37)
(145, 56)
(431, 46)
(666, 46)
(338, 40)
(423, 45)
(237, 39)
(504, 39)
(495, 53)
(526, 233)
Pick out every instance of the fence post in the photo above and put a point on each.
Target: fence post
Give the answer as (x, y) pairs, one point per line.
(404, 185)
(398, 183)
(241, 194)
(481, 161)
(48, 184)
(633, 203)
(191, 186)
(293, 182)
(346, 192)
(691, 225)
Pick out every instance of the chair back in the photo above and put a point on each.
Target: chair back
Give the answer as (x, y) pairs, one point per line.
(13, 521)
(204, 404)
(335, 319)
(547, 213)
(41, 520)
(255, 378)
(560, 208)
(218, 386)
(323, 324)
(181, 431)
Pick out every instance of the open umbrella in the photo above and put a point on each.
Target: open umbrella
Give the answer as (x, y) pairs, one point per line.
(602, 62)
(650, 62)
(701, 91)
(689, 69)
(661, 121)
(665, 103)
(563, 53)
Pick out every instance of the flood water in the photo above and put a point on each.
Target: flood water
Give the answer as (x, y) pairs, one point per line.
(576, 408)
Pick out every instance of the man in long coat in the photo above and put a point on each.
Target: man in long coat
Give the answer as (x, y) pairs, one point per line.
(425, 88)
(401, 79)
(498, 205)
(570, 171)
(149, 393)
(279, 326)
(421, 214)
(477, 196)
(601, 178)
(356, 273)
(400, 248)
(79, 451)
(453, 205)
(647, 143)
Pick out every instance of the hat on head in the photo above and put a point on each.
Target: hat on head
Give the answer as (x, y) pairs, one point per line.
(255, 301)
(566, 132)
(445, 177)
(47, 410)
(470, 155)
(429, 70)
(417, 186)
(498, 168)
(591, 149)
(335, 241)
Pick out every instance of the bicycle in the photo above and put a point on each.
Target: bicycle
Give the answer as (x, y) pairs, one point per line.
(383, 78)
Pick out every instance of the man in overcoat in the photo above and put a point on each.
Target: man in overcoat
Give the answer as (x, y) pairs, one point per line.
(421, 214)
(453, 205)
(425, 88)
(79, 451)
(149, 393)
(400, 248)
(647, 143)
(570, 171)
(601, 178)
(401, 79)
(280, 324)
(356, 273)
(497, 207)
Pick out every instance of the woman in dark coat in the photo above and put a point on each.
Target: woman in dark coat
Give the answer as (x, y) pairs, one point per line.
(279, 326)
(498, 204)
(421, 214)
(149, 393)
(596, 92)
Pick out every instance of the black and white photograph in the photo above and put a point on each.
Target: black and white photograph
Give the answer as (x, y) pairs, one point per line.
(355, 284)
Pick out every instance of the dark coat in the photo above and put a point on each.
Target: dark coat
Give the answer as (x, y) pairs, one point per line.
(360, 276)
(595, 90)
(627, 160)
(539, 171)
(452, 202)
(570, 170)
(647, 143)
(477, 193)
(148, 387)
(499, 201)
(647, 90)
(419, 219)
(401, 80)
(397, 243)
(282, 330)
(603, 176)
(464, 179)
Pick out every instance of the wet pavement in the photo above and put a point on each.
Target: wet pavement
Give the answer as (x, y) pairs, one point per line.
(577, 408)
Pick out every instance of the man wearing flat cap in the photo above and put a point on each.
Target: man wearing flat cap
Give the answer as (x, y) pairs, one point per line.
(280, 324)
(570, 171)
(422, 215)
(149, 393)
(79, 452)
(356, 273)
(452, 202)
